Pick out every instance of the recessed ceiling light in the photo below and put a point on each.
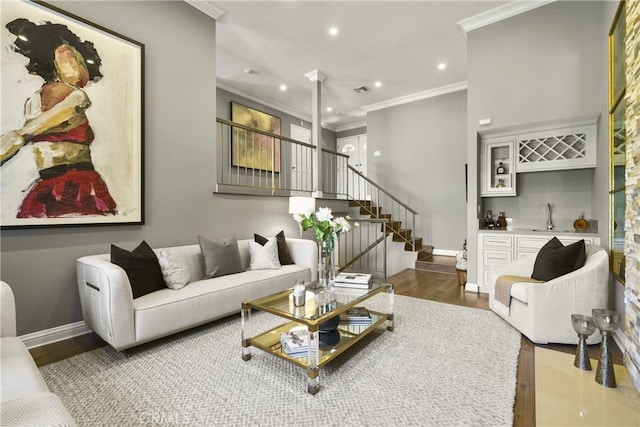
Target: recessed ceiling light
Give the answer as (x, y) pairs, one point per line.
(378, 84)
(333, 31)
(442, 66)
(329, 109)
(283, 87)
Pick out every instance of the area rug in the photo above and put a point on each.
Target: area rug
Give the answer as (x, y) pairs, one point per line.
(443, 365)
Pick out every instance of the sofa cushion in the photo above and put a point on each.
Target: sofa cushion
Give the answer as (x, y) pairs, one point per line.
(283, 250)
(19, 376)
(175, 270)
(142, 268)
(555, 260)
(221, 257)
(264, 256)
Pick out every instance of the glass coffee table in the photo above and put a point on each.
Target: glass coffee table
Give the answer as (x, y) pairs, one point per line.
(319, 314)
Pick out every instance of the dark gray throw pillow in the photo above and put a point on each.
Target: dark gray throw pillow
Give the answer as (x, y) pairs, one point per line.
(142, 268)
(221, 257)
(555, 260)
(283, 250)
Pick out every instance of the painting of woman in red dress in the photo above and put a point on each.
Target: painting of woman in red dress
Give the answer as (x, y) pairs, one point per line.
(56, 126)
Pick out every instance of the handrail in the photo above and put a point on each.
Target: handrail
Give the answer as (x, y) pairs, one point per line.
(326, 150)
(383, 190)
(263, 132)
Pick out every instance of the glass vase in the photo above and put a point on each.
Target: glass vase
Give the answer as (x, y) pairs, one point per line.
(326, 273)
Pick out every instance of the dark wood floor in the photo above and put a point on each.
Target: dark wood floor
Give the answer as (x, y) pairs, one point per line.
(441, 287)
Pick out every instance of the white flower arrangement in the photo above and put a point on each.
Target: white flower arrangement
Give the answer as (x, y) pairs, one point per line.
(326, 227)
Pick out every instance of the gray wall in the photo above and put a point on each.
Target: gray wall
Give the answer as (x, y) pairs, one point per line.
(546, 64)
(423, 146)
(180, 106)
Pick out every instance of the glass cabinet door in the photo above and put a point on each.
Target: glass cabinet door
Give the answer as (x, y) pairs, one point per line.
(499, 177)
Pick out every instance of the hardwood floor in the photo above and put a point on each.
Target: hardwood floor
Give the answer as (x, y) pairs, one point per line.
(435, 286)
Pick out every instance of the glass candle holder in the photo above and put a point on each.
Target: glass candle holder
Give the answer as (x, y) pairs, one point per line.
(607, 321)
(584, 326)
(299, 293)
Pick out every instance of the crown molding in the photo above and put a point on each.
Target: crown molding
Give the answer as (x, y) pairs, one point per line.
(499, 13)
(350, 126)
(208, 8)
(443, 90)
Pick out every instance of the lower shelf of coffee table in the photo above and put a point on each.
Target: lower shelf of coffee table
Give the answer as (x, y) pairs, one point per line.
(350, 334)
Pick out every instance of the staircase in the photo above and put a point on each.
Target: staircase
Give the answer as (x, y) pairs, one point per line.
(394, 227)
(425, 259)
(339, 181)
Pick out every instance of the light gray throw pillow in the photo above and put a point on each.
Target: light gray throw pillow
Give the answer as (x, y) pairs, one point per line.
(175, 270)
(221, 257)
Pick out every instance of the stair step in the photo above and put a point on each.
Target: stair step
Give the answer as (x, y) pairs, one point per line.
(401, 235)
(409, 246)
(438, 263)
(371, 210)
(393, 226)
(425, 253)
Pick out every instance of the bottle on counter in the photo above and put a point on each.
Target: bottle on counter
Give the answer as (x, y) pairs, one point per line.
(501, 222)
(500, 170)
(488, 220)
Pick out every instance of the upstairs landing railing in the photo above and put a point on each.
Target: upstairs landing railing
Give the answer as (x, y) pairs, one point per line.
(256, 162)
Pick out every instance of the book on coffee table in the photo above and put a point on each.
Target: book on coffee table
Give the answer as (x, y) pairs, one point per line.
(353, 280)
(356, 316)
(295, 343)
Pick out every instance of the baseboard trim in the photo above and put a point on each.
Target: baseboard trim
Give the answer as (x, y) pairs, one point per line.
(59, 333)
(620, 340)
(473, 287)
(445, 252)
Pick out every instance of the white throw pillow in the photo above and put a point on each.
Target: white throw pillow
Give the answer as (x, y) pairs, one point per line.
(264, 257)
(175, 270)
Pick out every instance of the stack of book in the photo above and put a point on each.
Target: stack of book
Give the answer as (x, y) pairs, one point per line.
(295, 343)
(353, 280)
(356, 316)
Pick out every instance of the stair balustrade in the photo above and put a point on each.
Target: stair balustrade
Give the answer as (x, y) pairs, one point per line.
(363, 249)
(251, 161)
(256, 162)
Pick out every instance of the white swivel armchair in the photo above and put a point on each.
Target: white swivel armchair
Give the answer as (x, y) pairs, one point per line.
(542, 311)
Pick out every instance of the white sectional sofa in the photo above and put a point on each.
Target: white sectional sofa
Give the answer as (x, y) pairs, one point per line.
(25, 397)
(110, 310)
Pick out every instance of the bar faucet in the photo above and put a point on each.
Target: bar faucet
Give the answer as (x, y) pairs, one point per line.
(549, 224)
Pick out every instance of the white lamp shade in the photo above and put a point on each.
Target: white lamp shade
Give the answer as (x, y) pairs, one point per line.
(302, 205)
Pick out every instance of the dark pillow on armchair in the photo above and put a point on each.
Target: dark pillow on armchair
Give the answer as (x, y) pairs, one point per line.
(555, 259)
(283, 250)
(142, 268)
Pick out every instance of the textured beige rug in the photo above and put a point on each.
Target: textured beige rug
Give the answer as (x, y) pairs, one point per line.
(443, 365)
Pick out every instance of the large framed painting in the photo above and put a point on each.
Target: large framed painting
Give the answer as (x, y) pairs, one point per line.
(254, 150)
(72, 122)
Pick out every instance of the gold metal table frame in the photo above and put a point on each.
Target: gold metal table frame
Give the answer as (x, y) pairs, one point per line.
(311, 316)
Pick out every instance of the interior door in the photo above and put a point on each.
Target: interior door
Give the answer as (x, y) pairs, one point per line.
(356, 148)
(300, 159)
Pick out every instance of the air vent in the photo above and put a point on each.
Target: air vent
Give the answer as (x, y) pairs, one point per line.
(361, 89)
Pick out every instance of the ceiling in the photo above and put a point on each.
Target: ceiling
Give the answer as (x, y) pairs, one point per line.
(261, 45)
